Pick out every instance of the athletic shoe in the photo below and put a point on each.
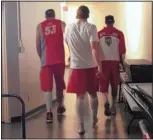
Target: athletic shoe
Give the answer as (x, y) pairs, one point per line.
(95, 120)
(107, 111)
(81, 130)
(113, 110)
(49, 117)
(60, 110)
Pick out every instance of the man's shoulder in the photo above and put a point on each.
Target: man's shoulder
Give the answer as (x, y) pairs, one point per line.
(118, 30)
(59, 21)
(43, 21)
(70, 28)
(71, 25)
(91, 25)
(101, 31)
(39, 25)
(54, 20)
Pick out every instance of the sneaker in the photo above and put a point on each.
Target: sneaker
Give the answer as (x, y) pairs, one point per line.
(113, 110)
(95, 120)
(107, 111)
(81, 130)
(49, 117)
(60, 110)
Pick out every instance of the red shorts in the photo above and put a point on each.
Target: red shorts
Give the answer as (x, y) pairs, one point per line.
(83, 80)
(111, 74)
(46, 77)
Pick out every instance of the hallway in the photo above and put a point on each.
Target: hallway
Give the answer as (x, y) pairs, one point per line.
(66, 126)
(19, 56)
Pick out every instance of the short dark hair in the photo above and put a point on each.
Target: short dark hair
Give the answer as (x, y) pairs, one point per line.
(83, 12)
(50, 13)
(109, 19)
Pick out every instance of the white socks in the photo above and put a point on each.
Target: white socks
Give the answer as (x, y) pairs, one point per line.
(80, 109)
(48, 100)
(80, 113)
(94, 106)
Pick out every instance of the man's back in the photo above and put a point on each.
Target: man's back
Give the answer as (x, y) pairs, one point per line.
(52, 47)
(111, 41)
(78, 37)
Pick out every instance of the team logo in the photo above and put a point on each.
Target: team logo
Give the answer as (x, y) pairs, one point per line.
(108, 40)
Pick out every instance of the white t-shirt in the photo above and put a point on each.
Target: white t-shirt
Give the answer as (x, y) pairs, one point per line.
(78, 37)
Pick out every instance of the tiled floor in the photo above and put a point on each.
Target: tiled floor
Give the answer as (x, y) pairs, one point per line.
(66, 126)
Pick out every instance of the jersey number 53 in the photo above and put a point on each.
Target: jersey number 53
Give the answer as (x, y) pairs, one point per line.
(49, 30)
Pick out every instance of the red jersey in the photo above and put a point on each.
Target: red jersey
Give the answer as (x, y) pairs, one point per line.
(112, 44)
(52, 46)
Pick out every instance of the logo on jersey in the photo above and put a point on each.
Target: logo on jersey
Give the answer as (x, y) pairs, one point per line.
(49, 30)
(108, 40)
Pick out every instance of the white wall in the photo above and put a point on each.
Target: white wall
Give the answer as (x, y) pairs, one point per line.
(138, 29)
(133, 18)
(4, 69)
(32, 13)
(21, 71)
(10, 63)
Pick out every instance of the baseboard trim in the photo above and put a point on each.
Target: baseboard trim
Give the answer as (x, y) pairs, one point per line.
(35, 110)
(16, 119)
(29, 113)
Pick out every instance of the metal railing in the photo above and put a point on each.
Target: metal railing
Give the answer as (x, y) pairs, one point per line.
(23, 111)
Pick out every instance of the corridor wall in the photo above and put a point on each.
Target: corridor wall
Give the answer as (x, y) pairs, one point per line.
(133, 18)
(32, 13)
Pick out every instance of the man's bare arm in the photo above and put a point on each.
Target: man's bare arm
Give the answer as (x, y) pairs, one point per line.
(122, 47)
(66, 40)
(96, 52)
(38, 41)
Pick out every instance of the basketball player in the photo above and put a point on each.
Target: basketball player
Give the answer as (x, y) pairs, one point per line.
(50, 48)
(82, 40)
(112, 44)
